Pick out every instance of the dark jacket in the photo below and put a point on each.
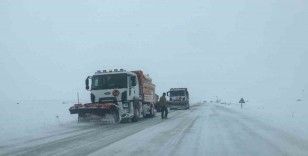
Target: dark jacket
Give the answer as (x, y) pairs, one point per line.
(163, 101)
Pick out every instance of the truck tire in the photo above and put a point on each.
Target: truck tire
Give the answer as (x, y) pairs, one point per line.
(136, 111)
(81, 118)
(152, 112)
(187, 106)
(135, 119)
(116, 117)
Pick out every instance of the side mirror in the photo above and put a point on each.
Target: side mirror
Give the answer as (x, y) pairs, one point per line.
(134, 82)
(87, 83)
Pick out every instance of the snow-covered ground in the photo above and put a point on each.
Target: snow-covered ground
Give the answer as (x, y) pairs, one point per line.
(213, 129)
(275, 128)
(26, 119)
(288, 115)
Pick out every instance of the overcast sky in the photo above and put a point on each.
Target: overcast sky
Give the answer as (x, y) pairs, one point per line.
(230, 49)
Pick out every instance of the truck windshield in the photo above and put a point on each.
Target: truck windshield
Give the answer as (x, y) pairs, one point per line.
(177, 93)
(109, 81)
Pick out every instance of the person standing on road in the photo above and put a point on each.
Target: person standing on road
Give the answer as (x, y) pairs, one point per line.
(163, 104)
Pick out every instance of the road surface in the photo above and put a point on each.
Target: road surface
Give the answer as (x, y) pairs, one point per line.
(205, 129)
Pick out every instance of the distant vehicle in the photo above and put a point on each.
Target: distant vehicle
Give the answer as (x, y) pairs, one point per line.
(118, 95)
(178, 98)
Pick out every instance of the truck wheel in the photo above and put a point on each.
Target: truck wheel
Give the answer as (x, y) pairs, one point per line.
(81, 118)
(135, 117)
(152, 113)
(116, 117)
(136, 111)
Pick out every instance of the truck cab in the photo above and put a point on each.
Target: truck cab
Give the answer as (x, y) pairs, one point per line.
(118, 86)
(178, 98)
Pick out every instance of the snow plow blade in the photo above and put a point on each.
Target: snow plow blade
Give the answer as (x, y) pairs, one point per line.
(93, 108)
(178, 105)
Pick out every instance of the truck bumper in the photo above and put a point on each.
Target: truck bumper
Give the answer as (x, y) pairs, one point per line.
(178, 105)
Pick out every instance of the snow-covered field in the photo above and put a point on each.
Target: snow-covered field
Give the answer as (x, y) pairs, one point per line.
(288, 115)
(27, 119)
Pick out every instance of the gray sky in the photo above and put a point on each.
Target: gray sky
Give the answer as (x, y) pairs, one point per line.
(255, 49)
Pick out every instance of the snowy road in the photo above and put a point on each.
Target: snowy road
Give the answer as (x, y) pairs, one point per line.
(206, 129)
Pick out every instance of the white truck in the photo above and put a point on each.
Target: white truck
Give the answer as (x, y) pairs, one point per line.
(178, 98)
(118, 95)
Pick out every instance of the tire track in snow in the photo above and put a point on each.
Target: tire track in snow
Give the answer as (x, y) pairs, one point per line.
(86, 142)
